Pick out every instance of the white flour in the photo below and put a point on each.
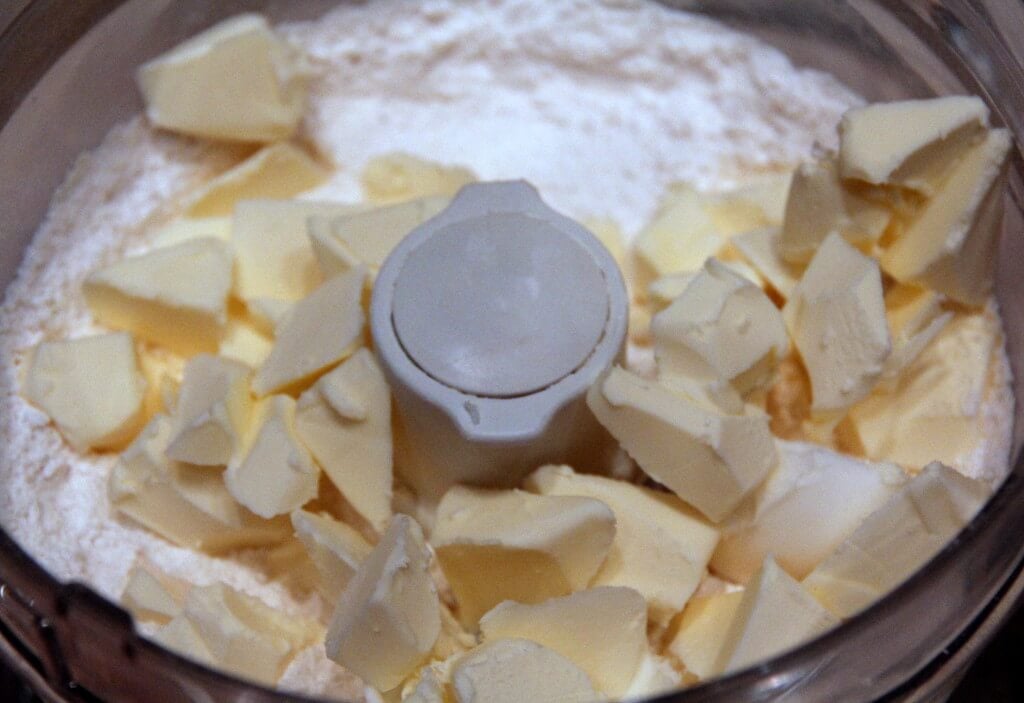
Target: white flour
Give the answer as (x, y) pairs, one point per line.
(600, 105)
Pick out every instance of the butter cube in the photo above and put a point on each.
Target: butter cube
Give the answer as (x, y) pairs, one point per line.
(661, 546)
(915, 318)
(654, 677)
(950, 245)
(836, 317)
(911, 143)
(91, 388)
(663, 291)
(236, 80)
(896, 540)
(397, 177)
(176, 297)
(531, 547)
(760, 247)
(336, 550)
(320, 331)
(517, 670)
(767, 193)
(212, 411)
(181, 637)
(345, 421)
(721, 326)
(274, 256)
(811, 485)
(266, 314)
(150, 595)
(245, 343)
(774, 615)
(279, 171)
(272, 473)
(703, 629)
(708, 458)
(186, 229)
(388, 618)
(681, 238)
(602, 630)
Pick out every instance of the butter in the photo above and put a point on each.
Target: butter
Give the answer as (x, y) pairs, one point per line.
(517, 670)
(602, 630)
(708, 458)
(910, 143)
(345, 421)
(703, 630)
(836, 317)
(186, 229)
(896, 540)
(915, 318)
(394, 178)
(654, 677)
(277, 171)
(212, 411)
(175, 297)
(245, 343)
(720, 326)
(388, 618)
(511, 545)
(335, 549)
(272, 473)
(181, 636)
(320, 331)
(266, 314)
(236, 80)
(760, 247)
(90, 387)
(820, 204)
(681, 238)
(661, 546)
(274, 257)
(811, 485)
(950, 244)
(774, 615)
(150, 595)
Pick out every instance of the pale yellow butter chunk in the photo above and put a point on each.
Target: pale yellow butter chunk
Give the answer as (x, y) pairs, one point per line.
(708, 458)
(393, 178)
(92, 389)
(185, 504)
(181, 637)
(661, 546)
(915, 317)
(950, 245)
(910, 143)
(896, 540)
(388, 618)
(345, 421)
(320, 331)
(342, 242)
(280, 170)
(512, 545)
(662, 292)
(720, 326)
(760, 247)
(266, 314)
(336, 550)
(272, 473)
(775, 615)
(236, 80)
(836, 317)
(273, 255)
(681, 238)
(150, 595)
(517, 670)
(602, 630)
(186, 229)
(811, 486)
(212, 411)
(176, 296)
(703, 629)
(654, 677)
(820, 204)
(245, 343)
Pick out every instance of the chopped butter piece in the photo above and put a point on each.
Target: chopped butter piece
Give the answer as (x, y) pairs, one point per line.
(152, 596)
(836, 317)
(181, 637)
(176, 296)
(602, 630)
(811, 485)
(393, 178)
(950, 245)
(185, 229)
(760, 248)
(267, 313)
(245, 343)
(272, 473)
(336, 550)
(896, 540)
(708, 458)
(511, 545)
(654, 677)
(915, 318)
(388, 618)
(318, 332)
(663, 291)
(661, 546)
(681, 238)
(90, 387)
(702, 632)
(345, 421)
(212, 411)
(280, 170)
(236, 80)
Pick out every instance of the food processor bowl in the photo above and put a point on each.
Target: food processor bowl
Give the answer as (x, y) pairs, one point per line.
(68, 77)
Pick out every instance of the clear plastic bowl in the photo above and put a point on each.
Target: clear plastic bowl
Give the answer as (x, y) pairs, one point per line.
(67, 78)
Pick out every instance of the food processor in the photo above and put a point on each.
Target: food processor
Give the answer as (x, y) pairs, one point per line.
(68, 77)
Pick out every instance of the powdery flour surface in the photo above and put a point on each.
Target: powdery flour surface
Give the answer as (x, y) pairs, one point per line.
(601, 105)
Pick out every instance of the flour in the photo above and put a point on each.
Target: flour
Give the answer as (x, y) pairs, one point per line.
(601, 105)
